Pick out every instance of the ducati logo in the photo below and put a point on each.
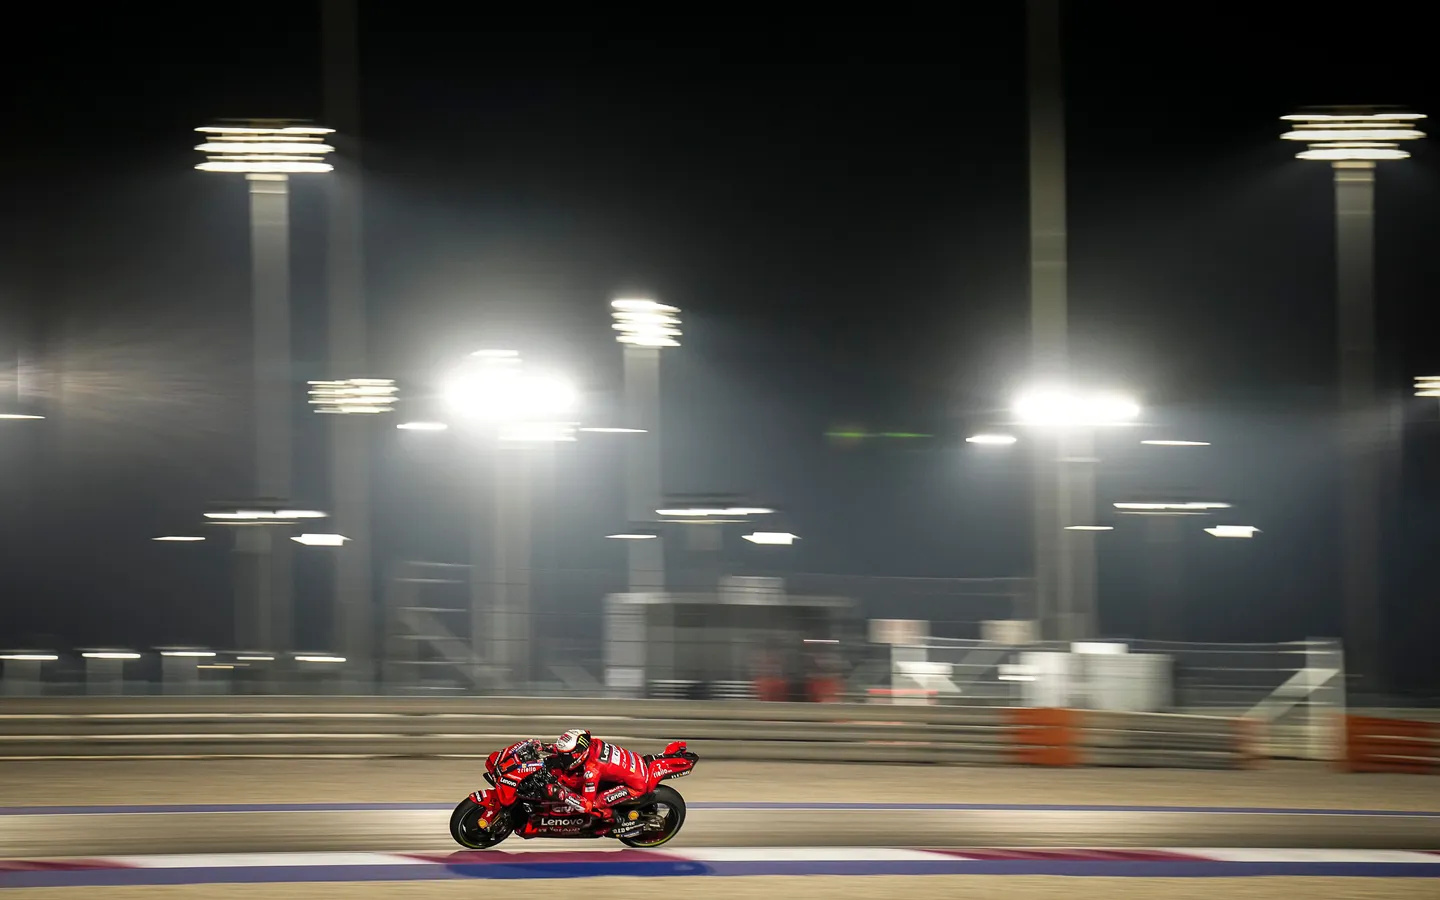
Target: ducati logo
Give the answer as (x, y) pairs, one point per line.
(561, 823)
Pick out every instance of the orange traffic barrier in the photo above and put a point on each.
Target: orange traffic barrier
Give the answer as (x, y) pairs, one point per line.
(825, 690)
(1045, 737)
(772, 689)
(1249, 743)
(1391, 745)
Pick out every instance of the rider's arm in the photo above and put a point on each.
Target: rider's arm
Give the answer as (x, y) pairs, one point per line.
(592, 781)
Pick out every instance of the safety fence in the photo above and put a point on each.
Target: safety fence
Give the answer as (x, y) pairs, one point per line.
(70, 728)
(1406, 746)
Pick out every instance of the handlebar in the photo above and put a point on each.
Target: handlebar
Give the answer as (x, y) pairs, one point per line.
(533, 785)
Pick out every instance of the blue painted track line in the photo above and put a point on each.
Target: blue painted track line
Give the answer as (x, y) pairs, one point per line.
(684, 868)
(220, 808)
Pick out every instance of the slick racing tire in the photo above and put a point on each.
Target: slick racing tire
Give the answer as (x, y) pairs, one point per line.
(667, 805)
(465, 827)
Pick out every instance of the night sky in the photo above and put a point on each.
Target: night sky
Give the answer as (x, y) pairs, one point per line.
(841, 217)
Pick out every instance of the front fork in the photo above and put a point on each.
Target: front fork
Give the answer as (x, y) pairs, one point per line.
(489, 805)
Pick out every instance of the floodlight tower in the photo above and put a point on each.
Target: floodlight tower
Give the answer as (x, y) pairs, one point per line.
(348, 350)
(1353, 139)
(515, 414)
(645, 328)
(1049, 308)
(267, 152)
(1069, 418)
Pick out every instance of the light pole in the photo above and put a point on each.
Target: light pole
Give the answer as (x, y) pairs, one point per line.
(1049, 314)
(354, 595)
(267, 152)
(1067, 419)
(517, 413)
(1165, 540)
(1353, 140)
(350, 400)
(645, 328)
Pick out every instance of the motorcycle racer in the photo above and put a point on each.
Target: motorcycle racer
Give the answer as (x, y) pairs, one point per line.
(583, 764)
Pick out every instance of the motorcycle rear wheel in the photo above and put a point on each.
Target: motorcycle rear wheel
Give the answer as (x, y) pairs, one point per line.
(465, 827)
(669, 800)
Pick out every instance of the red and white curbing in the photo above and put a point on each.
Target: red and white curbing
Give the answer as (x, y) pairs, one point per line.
(720, 855)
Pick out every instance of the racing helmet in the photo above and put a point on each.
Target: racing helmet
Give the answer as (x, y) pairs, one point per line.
(571, 747)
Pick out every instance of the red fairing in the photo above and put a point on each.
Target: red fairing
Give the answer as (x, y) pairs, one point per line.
(508, 772)
(669, 767)
(675, 762)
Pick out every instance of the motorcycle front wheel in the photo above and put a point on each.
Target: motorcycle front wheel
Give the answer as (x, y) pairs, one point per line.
(668, 810)
(465, 827)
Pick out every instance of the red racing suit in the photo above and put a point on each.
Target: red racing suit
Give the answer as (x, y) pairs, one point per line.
(608, 765)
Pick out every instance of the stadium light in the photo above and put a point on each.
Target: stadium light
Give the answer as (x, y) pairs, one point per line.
(261, 148)
(1358, 135)
(991, 439)
(699, 512)
(493, 386)
(321, 540)
(1064, 407)
(642, 322)
(1178, 508)
(256, 516)
(353, 396)
(772, 538)
(1232, 531)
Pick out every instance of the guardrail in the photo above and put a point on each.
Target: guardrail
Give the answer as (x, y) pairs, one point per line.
(1406, 746)
(428, 727)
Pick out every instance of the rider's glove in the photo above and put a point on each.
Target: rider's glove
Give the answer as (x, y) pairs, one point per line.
(571, 799)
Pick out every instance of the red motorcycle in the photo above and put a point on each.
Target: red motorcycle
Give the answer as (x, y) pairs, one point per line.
(518, 802)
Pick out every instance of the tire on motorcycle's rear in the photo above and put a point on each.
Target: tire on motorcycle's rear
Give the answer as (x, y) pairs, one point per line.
(671, 798)
(465, 832)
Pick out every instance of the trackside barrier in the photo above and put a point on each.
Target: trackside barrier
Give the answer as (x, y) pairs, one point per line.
(739, 730)
(1073, 737)
(1391, 745)
(1045, 737)
(1167, 740)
